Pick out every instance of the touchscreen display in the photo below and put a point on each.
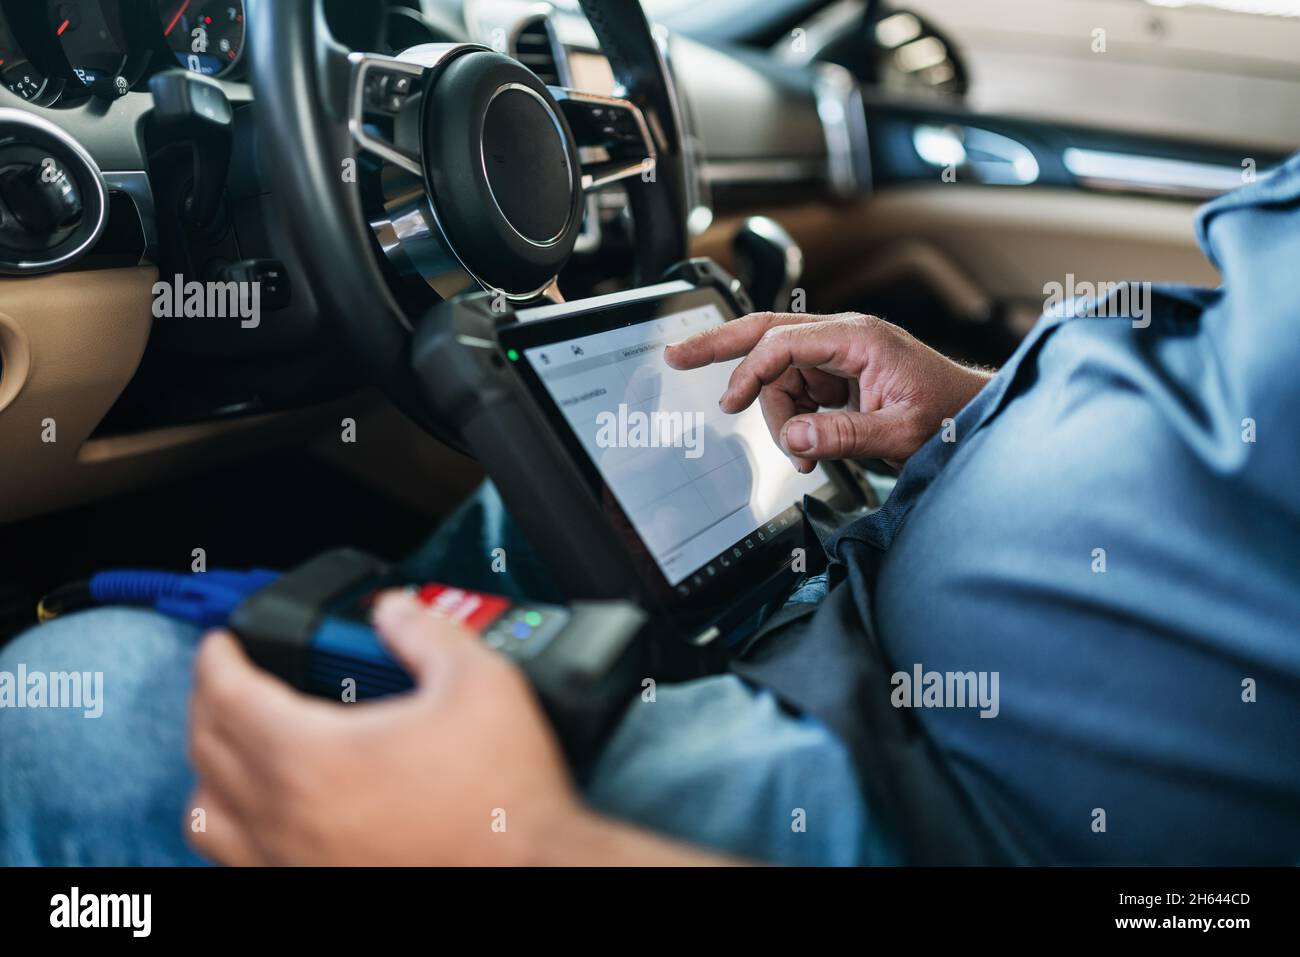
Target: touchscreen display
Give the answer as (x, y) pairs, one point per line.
(693, 481)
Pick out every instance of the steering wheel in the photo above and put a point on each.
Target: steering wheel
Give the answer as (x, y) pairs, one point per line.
(458, 166)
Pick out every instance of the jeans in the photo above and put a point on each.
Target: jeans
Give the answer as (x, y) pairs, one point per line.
(714, 762)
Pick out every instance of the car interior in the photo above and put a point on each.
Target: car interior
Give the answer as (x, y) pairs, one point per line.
(932, 162)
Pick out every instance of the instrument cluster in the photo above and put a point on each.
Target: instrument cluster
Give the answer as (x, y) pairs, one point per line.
(55, 51)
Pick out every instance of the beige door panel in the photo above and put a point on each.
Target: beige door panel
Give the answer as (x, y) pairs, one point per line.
(70, 343)
(975, 245)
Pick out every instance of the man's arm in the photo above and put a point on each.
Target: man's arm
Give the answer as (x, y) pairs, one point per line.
(462, 771)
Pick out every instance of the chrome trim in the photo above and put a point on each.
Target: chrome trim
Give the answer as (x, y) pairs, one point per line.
(42, 125)
(136, 185)
(773, 232)
(412, 237)
(564, 142)
(362, 65)
(593, 233)
(844, 120)
(408, 228)
(430, 55)
(989, 158)
(630, 169)
(1132, 172)
(706, 637)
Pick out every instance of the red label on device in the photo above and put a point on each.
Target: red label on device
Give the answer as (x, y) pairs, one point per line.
(469, 608)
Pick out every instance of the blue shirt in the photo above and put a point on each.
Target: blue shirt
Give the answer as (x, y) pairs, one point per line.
(1115, 532)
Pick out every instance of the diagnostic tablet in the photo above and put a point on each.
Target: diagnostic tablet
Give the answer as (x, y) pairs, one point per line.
(707, 502)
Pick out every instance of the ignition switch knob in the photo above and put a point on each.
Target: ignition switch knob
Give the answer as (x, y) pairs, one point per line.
(43, 200)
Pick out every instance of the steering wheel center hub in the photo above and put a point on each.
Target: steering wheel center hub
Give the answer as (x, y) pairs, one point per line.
(526, 162)
(502, 170)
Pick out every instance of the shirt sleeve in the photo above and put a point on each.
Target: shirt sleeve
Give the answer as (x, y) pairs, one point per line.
(1252, 327)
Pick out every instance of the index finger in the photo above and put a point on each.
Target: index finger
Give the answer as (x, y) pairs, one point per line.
(731, 340)
(827, 346)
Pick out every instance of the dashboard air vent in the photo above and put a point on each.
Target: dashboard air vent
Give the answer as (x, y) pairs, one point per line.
(535, 49)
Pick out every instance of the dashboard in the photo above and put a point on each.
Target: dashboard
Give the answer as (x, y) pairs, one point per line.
(77, 82)
(59, 52)
(796, 133)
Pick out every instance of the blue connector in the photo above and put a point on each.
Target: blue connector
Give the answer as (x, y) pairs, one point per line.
(207, 599)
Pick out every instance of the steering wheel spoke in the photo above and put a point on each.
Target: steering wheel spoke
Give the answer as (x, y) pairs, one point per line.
(613, 139)
(384, 92)
(474, 183)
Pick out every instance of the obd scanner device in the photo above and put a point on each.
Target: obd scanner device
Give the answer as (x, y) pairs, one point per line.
(625, 476)
(312, 628)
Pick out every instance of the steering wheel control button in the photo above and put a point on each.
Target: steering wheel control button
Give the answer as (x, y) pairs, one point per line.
(613, 137)
(388, 91)
(377, 88)
(275, 289)
(502, 170)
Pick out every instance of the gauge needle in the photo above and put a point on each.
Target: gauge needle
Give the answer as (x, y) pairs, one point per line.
(176, 19)
(64, 26)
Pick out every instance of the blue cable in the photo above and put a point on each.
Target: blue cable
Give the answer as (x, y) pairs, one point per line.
(207, 599)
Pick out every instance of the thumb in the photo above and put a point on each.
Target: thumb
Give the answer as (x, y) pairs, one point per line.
(846, 435)
(424, 644)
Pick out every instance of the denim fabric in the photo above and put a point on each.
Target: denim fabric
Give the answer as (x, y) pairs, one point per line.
(713, 762)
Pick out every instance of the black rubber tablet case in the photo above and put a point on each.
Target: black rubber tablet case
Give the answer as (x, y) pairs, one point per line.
(467, 380)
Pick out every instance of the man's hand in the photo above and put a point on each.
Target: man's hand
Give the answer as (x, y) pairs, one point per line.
(416, 779)
(892, 391)
(462, 771)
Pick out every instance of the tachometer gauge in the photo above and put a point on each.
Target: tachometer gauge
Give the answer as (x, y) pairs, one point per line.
(94, 38)
(207, 36)
(17, 73)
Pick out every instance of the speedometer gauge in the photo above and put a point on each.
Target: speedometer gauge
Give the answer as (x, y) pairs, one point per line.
(17, 73)
(207, 36)
(94, 35)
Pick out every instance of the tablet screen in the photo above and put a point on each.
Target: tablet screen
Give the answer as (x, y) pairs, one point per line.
(696, 484)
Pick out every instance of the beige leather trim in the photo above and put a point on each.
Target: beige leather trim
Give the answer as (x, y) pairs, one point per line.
(16, 356)
(1005, 243)
(70, 343)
